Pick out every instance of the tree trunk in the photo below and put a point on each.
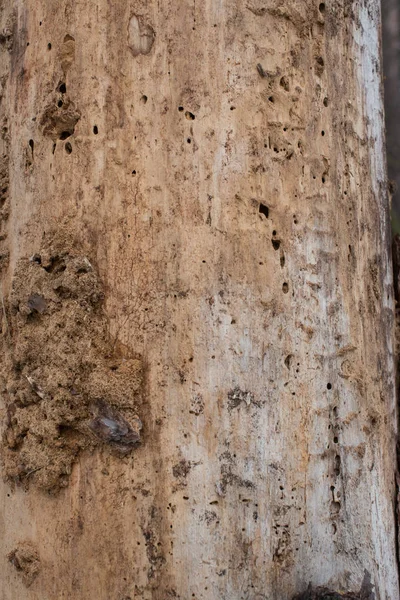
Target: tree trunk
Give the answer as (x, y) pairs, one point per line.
(198, 391)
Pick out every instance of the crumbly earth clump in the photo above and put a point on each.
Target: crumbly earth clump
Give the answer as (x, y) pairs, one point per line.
(67, 386)
(26, 561)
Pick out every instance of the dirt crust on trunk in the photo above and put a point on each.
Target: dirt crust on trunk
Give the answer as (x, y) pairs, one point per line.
(67, 386)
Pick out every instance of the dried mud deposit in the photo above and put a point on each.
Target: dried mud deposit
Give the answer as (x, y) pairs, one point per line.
(26, 561)
(67, 386)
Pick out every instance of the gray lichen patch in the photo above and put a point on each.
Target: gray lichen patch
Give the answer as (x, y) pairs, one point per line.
(65, 384)
(26, 561)
(237, 396)
(322, 593)
(197, 405)
(181, 469)
(229, 477)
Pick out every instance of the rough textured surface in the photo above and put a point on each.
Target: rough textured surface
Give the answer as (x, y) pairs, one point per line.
(221, 166)
(62, 376)
(26, 561)
(321, 593)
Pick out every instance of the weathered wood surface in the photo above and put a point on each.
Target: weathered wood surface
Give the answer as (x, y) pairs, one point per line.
(391, 68)
(220, 166)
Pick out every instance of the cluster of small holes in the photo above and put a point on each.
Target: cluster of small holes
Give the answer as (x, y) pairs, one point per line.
(335, 503)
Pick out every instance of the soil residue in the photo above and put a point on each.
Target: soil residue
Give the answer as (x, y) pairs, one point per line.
(59, 120)
(25, 559)
(66, 385)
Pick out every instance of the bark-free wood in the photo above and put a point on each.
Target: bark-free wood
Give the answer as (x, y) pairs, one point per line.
(227, 176)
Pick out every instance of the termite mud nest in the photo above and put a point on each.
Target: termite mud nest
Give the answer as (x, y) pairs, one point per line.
(66, 386)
